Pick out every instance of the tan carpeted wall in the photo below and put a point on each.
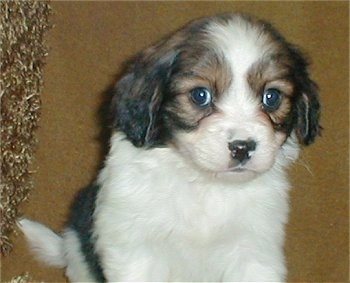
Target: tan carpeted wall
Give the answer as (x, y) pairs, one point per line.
(88, 44)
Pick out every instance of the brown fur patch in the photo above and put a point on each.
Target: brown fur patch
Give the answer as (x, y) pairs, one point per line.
(196, 65)
(275, 71)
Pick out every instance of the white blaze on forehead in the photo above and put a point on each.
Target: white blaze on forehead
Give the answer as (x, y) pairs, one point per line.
(242, 44)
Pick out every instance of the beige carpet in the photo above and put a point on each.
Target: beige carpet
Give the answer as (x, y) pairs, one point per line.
(23, 50)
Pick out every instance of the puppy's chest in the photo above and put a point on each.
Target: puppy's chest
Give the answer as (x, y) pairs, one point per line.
(194, 213)
(175, 207)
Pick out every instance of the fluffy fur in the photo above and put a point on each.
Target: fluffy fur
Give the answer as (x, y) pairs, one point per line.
(194, 186)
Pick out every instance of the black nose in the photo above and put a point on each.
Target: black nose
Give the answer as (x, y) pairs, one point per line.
(240, 149)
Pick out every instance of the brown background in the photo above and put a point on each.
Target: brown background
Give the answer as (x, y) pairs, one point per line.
(88, 44)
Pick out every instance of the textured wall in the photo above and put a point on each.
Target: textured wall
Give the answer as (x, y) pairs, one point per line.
(88, 45)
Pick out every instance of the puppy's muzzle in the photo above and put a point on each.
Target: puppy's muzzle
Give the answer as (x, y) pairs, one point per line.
(241, 149)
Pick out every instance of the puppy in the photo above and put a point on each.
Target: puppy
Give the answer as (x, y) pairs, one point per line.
(194, 187)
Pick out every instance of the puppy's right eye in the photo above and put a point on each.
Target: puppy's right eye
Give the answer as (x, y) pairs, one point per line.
(201, 96)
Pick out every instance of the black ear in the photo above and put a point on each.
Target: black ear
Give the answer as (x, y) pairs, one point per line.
(139, 95)
(307, 103)
(308, 113)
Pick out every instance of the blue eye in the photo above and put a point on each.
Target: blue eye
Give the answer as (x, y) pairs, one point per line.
(201, 96)
(271, 99)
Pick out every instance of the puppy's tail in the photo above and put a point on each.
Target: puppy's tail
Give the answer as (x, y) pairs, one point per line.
(45, 244)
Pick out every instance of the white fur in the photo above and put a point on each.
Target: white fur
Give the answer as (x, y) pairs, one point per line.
(55, 250)
(45, 244)
(181, 212)
(248, 45)
(77, 269)
(154, 204)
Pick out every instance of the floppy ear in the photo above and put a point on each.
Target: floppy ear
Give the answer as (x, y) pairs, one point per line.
(307, 104)
(308, 113)
(139, 95)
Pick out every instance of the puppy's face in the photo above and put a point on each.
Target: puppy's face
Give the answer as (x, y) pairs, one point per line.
(226, 92)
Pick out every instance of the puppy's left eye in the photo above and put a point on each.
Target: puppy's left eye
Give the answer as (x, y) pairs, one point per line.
(271, 99)
(201, 96)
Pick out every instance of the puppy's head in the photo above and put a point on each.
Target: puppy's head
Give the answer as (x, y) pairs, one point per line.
(227, 92)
